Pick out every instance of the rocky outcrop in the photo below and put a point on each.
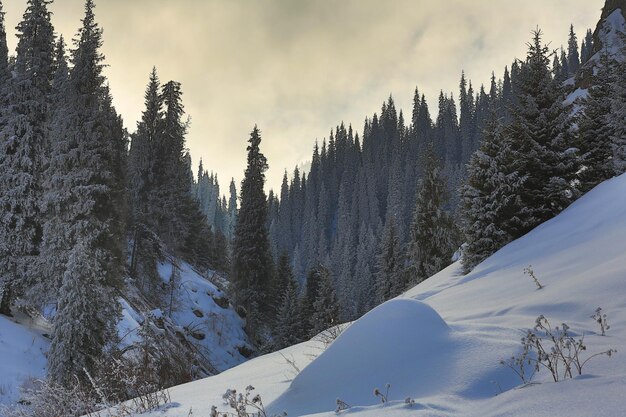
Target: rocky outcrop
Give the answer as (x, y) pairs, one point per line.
(609, 7)
(605, 27)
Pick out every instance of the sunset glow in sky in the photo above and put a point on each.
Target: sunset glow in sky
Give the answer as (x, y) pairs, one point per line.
(297, 68)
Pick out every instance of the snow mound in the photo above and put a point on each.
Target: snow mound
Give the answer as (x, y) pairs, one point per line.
(402, 342)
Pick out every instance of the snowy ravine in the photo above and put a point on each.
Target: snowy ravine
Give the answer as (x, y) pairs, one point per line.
(442, 341)
(202, 314)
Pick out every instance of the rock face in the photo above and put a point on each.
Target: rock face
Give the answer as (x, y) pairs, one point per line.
(610, 25)
(609, 7)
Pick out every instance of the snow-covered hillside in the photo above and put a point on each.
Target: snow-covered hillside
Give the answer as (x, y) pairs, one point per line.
(204, 312)
(201, 315)
(22, 354)
(196, 310)
(441, 342)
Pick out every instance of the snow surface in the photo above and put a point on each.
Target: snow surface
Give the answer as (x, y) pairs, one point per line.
(441, 342)
(22, 355)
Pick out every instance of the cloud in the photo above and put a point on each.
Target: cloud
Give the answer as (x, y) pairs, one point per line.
(299, 67)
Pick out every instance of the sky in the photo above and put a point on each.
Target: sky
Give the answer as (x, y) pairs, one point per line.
(297, 68)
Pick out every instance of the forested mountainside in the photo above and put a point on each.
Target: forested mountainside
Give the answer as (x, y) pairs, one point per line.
(106, 233)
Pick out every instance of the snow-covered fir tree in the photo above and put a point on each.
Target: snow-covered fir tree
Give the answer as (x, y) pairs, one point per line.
(144, 251)
(252, 261)
(573, 56)
(5, 73)
(288, 320)
(617, 119)
(540, 140)
(54, 253)
(87, 310)
(24, 149)
(586, 50)
(595, 132)
(489, 203)
(5, 80)
(325, 307)
(391, 276)
(433, 233)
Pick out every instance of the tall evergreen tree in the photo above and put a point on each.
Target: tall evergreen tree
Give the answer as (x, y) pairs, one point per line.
(433, 232)
(587, 47)
(595, 132)
(252, 262)
(141, 177)
(390, 278)
(288, 321)
(5, 73)
(55, 242)
(489, 204)
(565, 71)
(87, 309)
(326, 309)
(507, 96)
(573, 56)
(23, 150)
(617, 118)
(5, 80)
(540, 140)
(232, 210)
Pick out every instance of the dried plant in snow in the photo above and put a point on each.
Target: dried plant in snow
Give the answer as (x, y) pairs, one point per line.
(243, 405)
(600, 318)
(529, 271)
(383, 397)
(556, 350)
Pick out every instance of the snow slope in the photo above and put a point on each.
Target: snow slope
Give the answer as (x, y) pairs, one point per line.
(199, 310)
(441, 342)
(218, 330)
(202, 314)
(22, 354)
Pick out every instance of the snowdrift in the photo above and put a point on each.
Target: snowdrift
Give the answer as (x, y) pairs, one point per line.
(392, 344)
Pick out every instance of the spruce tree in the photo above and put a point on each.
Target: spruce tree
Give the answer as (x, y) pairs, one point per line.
(489, 204)
(507, 97)
(87, 309)
(5, 80)
(145, 251)
(595, 132)
(288, 325)
(232, 210)
(390, 276)
(252, 262)
(325, 307)
(617, 119)
(586, 51)
(5, 73)
(307, 302)
(565, 71)
(433, 232)
(23, 150)
(573, 56)
(540, 139)
(284, 217)
(55, 241)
